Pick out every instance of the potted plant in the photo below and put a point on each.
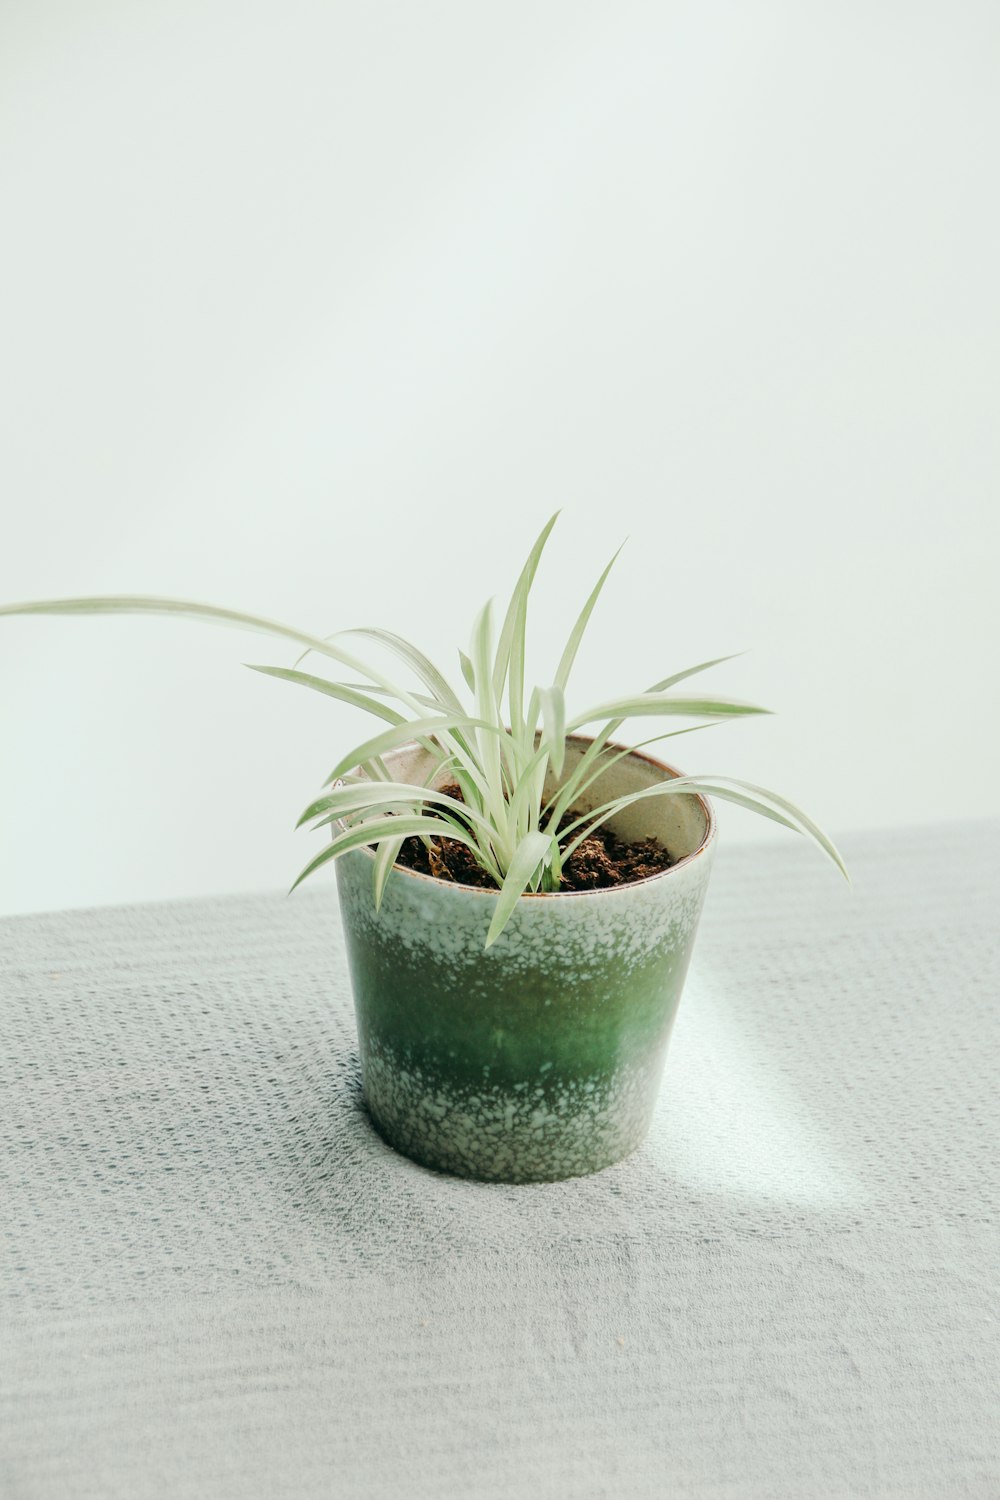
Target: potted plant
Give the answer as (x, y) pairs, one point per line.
(520, 899)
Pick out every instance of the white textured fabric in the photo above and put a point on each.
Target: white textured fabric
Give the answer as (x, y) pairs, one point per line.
(218, 1282)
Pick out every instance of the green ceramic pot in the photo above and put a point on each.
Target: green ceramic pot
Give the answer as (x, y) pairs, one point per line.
(540, 1057)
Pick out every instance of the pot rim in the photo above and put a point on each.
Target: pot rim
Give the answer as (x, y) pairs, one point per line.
(711, 828)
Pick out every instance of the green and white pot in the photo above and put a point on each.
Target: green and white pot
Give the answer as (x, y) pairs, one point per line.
(539, 1058)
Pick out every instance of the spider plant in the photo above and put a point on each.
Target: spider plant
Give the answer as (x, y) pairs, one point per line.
(496, 744)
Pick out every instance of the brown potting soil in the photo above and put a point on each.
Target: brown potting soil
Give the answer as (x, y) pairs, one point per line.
(602, 860)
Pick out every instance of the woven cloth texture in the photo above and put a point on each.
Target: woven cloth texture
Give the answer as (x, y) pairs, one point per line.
(218, 1282)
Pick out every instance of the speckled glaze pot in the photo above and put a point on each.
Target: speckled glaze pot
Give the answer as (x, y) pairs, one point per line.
(538, 1058)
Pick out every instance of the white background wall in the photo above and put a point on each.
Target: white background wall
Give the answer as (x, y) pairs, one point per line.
(319, 309)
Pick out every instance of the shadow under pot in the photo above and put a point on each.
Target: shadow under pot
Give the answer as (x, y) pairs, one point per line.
(540, 1057)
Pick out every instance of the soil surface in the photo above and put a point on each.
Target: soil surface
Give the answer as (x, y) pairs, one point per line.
(602, 860)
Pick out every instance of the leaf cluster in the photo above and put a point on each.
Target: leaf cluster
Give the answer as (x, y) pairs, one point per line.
(494, 739)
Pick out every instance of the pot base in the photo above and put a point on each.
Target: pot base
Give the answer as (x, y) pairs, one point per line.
(539, 1130)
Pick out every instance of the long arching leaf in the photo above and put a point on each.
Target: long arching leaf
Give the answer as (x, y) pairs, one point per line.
(441, 689)
(362, 796)
(153, 604)
(744, 794)
(645, 705)
(576, 634)
(340, 690)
